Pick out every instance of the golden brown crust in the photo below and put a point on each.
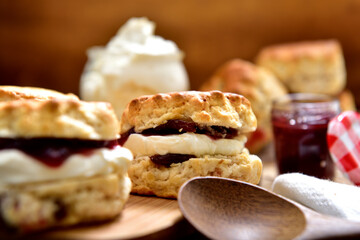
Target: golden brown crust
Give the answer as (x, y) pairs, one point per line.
(207, 108)
(151, 179)
(312, 66)
(61, 118)
(10, 93)
(257, 84)
(297, 50)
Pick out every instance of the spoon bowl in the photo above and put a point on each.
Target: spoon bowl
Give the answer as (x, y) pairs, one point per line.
(223, 208)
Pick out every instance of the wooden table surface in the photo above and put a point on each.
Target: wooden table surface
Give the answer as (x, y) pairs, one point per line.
(155, 218)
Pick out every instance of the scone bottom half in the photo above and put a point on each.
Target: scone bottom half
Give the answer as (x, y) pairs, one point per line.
(172, 141)
(60, 164)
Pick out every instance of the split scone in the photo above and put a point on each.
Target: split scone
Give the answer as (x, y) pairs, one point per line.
(311, 66)
(180, 135)
(60, 163)
(11, 93)
(255, 83)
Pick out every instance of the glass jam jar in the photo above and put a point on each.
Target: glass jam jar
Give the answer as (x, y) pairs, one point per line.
(300, 124)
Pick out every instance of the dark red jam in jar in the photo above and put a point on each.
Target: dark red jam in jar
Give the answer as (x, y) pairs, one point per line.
(300, 124)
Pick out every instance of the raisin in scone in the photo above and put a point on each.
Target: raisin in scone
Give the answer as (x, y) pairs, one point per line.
(60, 163)
(177, 136)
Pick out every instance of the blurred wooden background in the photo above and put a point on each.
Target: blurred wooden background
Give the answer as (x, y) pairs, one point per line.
(43, 42)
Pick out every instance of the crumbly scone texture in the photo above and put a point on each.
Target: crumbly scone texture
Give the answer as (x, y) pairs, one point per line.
(152, 179)
(38, 206)
(11, 93)
(255, 83)
(312, 66)
(61, 118)
(207, 108)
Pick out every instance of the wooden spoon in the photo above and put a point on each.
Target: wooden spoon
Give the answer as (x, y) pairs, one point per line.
(223, 208)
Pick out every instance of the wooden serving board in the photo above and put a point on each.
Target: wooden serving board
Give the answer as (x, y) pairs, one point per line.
(140, 217)
(144, 217)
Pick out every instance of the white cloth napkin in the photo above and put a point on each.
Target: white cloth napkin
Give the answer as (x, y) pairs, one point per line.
(323, 196)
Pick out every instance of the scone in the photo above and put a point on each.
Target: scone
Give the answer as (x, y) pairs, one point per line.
(60, 163)
(312, 67)
(135, 62)
(11, 93)
(347, 100)
(177, 136)
(258, 85)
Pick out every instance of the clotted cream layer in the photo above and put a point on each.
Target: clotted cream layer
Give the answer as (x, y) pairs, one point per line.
(187, 143)
(18, 167)
(135, 62)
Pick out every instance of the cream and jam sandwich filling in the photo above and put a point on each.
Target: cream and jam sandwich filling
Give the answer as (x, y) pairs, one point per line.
(178, 140)
(59, 158)
(60, 155)
(179, 135)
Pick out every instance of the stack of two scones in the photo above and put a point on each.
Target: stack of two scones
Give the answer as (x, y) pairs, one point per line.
(180, 135)
(60, 161)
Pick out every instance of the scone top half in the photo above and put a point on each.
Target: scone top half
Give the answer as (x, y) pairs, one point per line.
(58, 139)
(11, 93)
(212, 108)
(58, 118)
(188, 123)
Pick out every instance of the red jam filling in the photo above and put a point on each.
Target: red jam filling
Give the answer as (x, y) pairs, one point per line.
(54, 151)
(172, 127)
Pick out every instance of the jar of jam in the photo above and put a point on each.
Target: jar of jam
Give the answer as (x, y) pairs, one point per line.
(300, 124)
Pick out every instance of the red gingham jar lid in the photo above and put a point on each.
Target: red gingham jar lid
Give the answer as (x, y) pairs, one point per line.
(343, 138)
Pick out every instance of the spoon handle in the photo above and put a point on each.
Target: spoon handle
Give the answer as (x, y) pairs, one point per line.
(324, 227)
